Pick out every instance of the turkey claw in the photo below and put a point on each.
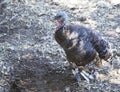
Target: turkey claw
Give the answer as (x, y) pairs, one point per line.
(76, 74)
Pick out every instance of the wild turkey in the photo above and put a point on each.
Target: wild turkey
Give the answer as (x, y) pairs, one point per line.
(81, 45)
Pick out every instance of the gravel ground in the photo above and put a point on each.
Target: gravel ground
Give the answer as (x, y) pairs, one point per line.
(30, 58)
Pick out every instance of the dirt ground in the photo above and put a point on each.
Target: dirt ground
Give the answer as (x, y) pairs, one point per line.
(30, 58)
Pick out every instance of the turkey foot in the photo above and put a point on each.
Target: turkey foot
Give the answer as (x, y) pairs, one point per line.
(76, 74)
(83, 73)
(77, 71)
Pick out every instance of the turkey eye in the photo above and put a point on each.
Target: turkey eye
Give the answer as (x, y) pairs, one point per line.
(59, 16)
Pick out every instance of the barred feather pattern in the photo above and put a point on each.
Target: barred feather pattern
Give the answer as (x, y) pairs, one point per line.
(98, 42)
(101, 46)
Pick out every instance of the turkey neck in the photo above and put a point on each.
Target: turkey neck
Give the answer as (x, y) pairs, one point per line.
(59, 35)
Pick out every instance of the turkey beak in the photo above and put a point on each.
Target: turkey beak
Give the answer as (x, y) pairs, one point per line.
(55, 18)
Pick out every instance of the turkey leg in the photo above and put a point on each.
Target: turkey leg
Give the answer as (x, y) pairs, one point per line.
(84, 74)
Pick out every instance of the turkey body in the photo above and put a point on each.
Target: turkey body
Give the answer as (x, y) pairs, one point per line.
(81, 44)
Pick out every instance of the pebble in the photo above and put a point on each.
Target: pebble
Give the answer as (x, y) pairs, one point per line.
(117, 30)
(103, 4)
(118, 72)
(82, 19)
(67, 89)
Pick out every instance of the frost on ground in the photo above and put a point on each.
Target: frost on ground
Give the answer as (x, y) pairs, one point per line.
(31, 60)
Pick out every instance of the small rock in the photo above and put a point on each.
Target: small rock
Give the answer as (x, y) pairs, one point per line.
(82, 19)
(67, 89)
(117, 30)
(103, 4)
(54, 3)
(73, 8)
(1, 89)
(118, 71)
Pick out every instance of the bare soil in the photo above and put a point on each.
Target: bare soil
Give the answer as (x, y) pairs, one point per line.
(30, 58)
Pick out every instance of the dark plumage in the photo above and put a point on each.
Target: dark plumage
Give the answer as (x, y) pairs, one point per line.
(81, 45)
(75, 42)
